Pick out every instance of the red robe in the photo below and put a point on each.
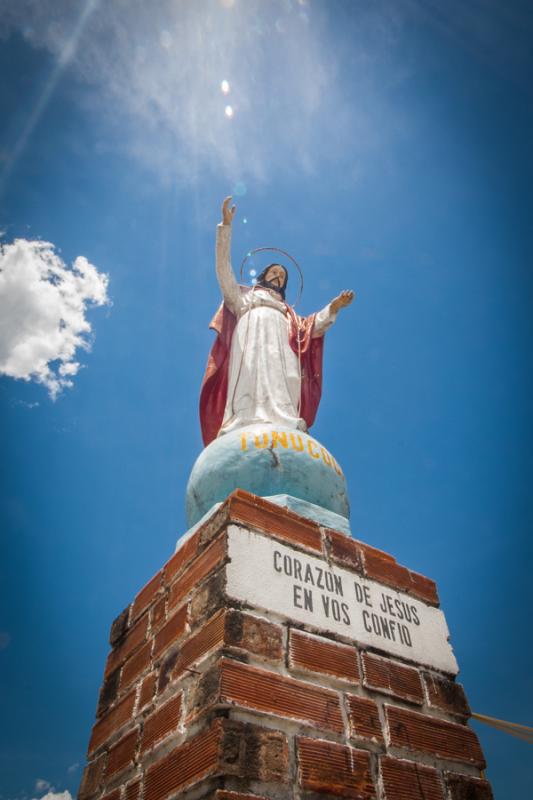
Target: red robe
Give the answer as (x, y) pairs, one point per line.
(214, 391)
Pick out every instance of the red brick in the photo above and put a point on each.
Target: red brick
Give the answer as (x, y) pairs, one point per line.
(221, 794)
(146, 595)
(159, 613)
(230, 628)
(266, 755)
(390, 677)
(147, 690)
(333, 769)
(119, 626)
(344, 550)
(92, 778)
(171, 631)
(446, 695)
(185, 553)
(316, 654)
(367, 548)
(248, 509)
(208, 599)
(204, 694)
(122, 754)
(108, 692)
(112, 721)
(350, 552)
(462, 787)
(275, 694)
(134, 639)
(253, 634)
(135, 665)
(363, 717)
(184, 766)
(199, 569)
(424, 588)
(159, 724)
(436, 736)
(254, 753)
(114, 795)
(206, 639)
(133, 790)
(387, 572)
(405, 780)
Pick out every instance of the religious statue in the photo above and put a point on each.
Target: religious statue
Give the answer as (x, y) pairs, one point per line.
(266, 363)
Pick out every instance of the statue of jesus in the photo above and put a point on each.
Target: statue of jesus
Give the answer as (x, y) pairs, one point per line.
(266, 363)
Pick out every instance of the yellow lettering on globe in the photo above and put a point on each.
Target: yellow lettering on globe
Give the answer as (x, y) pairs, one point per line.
(279, 437)
(310, 444)
(299, 448)
(326, 457)
(336, 467)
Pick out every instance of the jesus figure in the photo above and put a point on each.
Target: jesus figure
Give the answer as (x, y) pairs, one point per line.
(266, 363)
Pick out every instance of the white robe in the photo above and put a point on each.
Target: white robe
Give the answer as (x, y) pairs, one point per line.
(264, 373)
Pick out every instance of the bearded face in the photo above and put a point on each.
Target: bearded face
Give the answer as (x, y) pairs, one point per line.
(274, 277)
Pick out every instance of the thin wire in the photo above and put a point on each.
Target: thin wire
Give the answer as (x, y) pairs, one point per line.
(512, 728)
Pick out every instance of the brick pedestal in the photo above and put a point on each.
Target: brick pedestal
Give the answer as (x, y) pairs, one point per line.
(208, 696)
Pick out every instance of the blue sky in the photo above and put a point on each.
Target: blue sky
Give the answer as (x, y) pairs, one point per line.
(387, 146)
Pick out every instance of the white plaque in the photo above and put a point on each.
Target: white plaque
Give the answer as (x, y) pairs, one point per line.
(278, 578)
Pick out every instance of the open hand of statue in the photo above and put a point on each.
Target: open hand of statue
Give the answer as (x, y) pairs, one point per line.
(228, 212)
(343, 299)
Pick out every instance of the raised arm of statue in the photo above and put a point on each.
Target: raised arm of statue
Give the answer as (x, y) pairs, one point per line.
(265, 365)
(228, 284)
(324, 320)
(327, 316)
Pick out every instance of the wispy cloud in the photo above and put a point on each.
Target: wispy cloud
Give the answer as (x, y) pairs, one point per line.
(43, 305)
(157, 72)
(69, 48)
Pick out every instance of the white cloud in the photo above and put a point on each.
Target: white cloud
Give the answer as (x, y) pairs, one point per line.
(41, 785)
(155, 70)
(73, 768)
(43, 305)
(52, 795)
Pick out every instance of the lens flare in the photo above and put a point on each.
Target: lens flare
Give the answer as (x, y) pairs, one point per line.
(225, 87)
(228, 111)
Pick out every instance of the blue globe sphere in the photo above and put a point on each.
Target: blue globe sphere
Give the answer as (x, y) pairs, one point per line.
(266, 460)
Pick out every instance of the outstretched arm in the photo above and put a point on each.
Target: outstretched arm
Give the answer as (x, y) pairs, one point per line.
(328, 315)
(226, 279)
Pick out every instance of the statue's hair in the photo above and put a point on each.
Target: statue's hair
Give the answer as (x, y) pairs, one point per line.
(261, 278)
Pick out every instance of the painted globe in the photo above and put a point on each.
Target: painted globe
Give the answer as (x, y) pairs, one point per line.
(266, 460)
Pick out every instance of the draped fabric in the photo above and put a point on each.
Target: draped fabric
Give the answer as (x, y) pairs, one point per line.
(306, 347)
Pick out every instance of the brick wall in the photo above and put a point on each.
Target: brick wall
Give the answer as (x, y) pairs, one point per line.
(206, 697)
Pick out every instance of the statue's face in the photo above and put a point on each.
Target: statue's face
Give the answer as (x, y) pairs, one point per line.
(276, 275)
